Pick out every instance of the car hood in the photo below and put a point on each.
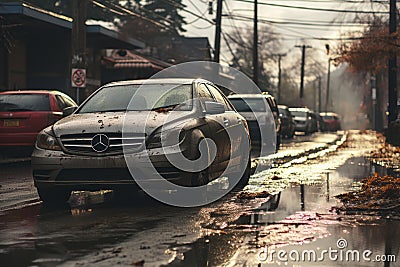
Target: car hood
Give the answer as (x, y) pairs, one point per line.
(113, 122)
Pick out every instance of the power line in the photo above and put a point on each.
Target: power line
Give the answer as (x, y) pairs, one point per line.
(183, 8)
(132, 13)
(316, 9)
(316, 24)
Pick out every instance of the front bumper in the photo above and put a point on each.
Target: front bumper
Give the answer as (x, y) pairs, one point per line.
(59, 169)
(301, 126)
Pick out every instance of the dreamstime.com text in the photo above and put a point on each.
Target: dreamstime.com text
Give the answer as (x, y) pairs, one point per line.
(338, 253)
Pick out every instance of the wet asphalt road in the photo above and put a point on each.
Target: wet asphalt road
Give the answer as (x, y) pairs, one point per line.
(242, 229)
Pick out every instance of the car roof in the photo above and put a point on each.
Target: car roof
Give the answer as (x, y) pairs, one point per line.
(246, 96)
(328, 114)
(267, 94)
(300, 109)
(158, 81)
(30, 92)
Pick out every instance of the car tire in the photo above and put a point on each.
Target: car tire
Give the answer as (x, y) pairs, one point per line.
(54, 196)
(278, 142)
(202, 177)
(125, 195)
(244, 178)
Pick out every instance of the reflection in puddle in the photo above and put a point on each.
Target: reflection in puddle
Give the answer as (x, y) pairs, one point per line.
(299, 218)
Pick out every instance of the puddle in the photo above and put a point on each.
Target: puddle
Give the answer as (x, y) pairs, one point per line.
(300, 218)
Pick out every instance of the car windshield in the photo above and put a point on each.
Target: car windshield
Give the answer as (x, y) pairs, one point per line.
(137, 97)
(299, 113)
(248, 104)
(327, 117)
(24, 102)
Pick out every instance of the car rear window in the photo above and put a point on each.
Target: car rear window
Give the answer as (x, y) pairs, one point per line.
(299, 113)
(24, 102)
(248, 104)
(328, 117)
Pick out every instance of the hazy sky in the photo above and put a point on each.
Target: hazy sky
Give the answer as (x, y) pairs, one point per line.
(326, 24)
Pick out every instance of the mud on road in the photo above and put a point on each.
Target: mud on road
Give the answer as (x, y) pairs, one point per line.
(286, 206)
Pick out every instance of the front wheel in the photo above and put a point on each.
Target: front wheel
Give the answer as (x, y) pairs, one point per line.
(245, 176)
(54, 196)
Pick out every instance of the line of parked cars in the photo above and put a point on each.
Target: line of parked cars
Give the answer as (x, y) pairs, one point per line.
(82, 148)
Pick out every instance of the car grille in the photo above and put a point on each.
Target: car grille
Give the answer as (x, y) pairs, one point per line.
(82, 143)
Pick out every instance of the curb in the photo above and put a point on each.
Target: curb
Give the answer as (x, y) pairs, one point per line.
(14, 160)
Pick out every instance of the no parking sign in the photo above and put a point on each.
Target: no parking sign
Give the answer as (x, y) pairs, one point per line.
(78, 78)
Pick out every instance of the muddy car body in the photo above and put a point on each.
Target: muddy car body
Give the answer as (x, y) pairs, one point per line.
(86, 150)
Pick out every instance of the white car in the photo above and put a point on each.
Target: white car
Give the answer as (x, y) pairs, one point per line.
(255, 109)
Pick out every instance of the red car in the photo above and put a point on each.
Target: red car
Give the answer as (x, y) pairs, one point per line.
(331, 121)
(24, 113)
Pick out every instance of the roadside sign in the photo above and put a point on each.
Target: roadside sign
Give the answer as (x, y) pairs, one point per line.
(78, 78)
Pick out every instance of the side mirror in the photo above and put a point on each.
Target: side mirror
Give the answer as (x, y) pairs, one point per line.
(214, 107)
(68, 111)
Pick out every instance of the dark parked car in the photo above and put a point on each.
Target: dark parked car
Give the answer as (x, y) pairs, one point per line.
(331, 121)
(85, 151)
(23, 114)
(287, 121)
(314, 122)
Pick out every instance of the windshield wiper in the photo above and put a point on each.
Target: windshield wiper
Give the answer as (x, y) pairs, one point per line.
(168, 107)
(112, 110)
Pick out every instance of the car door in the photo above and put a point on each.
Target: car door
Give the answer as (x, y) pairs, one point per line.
(214, 129)
(232, 123)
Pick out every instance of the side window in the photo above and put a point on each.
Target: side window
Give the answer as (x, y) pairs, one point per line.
(219, 97)
(60, 102)
(204, 95)
(69, 102)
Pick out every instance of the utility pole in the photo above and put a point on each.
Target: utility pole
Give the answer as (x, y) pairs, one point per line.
(255, 44)
(279, 75)
(78, 37)
(319, 95)
(373, 98)
(328, 83)
(392, 67)
(315, 95)
(217, 41)
(303, 59)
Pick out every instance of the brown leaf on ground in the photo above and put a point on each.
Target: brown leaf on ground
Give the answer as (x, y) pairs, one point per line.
(377, 193)
(252, 195)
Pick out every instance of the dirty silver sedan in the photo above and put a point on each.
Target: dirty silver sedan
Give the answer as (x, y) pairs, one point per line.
(87, 150)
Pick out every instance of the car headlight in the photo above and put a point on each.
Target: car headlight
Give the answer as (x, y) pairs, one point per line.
(46, 140)
(165, 138)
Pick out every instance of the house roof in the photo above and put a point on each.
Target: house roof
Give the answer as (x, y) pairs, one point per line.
(128, 59)
(37, 18)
